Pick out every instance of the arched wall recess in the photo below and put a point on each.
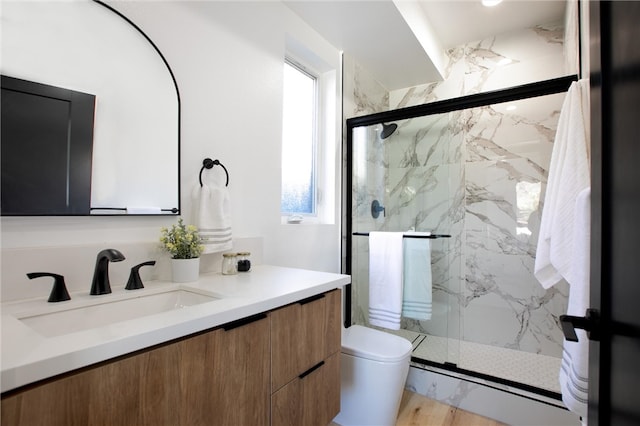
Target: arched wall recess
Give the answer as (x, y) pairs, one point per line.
(89, 46)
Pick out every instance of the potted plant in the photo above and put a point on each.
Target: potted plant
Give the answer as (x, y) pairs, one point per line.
(184, 245)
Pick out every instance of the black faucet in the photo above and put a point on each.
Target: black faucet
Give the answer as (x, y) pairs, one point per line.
(100, 283)
(135, 282)
(59, 291)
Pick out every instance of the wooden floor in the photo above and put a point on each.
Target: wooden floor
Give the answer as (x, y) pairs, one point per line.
(418, 410)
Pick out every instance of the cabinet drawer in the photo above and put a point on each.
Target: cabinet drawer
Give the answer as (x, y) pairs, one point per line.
(311, 399)
(302, 335)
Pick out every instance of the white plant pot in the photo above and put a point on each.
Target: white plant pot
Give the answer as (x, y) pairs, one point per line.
(185, 270)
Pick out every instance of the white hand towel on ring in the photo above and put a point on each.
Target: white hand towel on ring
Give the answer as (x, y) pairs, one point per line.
(212, 216)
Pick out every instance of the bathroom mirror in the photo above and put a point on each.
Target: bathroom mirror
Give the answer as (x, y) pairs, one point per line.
(86, 46)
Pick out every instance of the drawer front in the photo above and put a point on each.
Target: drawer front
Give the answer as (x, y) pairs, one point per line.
(311, 399)
(303, 334)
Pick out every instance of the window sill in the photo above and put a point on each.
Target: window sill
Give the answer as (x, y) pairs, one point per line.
(304, 220)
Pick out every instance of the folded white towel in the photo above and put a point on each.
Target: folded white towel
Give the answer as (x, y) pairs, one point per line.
(574, 374)
(144, 210)
(385, 279)
(417, 292)
(212, 217)
(568, 175)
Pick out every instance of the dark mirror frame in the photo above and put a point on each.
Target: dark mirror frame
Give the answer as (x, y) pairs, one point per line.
(174, 210)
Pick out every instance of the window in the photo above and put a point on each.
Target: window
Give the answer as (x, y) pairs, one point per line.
(311, 131)
(299, 134)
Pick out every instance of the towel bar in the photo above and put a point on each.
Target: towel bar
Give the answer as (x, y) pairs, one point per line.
(432, 236)
(172, 210)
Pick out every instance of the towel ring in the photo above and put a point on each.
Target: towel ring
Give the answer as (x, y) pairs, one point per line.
(208, 163)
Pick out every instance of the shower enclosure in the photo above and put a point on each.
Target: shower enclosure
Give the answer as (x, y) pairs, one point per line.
(472, 171)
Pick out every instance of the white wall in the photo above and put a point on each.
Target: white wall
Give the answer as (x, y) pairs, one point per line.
(227, 58)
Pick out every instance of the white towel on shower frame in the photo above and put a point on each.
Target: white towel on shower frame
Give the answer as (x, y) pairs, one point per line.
(385, 279)
(574, 374)
(569, 174)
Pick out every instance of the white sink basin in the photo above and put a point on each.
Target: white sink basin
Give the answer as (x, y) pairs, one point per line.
(109, 312)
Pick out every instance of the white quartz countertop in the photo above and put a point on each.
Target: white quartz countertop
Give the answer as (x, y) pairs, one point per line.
(28, 356)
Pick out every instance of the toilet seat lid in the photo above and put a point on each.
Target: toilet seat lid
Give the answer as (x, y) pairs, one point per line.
(373, 344)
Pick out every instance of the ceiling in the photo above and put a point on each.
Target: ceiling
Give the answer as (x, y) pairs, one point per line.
(402, 42)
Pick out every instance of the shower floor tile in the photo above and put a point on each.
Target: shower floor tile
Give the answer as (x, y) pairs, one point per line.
(540, 371)
(436, 349)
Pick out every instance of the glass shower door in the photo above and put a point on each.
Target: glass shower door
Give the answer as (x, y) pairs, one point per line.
(403, 182)
(475, 169)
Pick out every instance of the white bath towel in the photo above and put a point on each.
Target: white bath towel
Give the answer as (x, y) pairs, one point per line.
(212, 216)
(568, 175)
(416, 295)
(574, 374)
(385, 279)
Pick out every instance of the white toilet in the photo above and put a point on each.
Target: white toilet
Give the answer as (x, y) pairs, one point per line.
(374, 367)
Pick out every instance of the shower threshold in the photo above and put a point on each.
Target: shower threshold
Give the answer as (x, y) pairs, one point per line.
(525, 370)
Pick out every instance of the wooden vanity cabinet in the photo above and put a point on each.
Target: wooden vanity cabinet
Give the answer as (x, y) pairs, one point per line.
(219, 377)
(279, 368)
(305, 361)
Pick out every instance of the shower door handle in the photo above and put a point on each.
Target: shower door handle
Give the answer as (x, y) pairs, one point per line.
(590, 323)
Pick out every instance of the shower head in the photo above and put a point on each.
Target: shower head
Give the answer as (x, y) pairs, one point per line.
(387, 130)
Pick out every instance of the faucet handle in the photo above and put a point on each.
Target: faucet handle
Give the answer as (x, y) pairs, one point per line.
(59, 291)
(135, 282)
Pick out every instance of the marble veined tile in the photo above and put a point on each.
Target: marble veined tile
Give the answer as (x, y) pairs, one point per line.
(528, 324)
(510, 405)
(518, 129)
(428, 140)
(497, 62)
(363, 94)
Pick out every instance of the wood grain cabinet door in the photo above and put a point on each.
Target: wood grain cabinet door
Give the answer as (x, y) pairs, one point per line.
(225, 377)
(219, 377)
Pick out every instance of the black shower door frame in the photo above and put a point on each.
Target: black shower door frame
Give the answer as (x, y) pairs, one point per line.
(532, 90)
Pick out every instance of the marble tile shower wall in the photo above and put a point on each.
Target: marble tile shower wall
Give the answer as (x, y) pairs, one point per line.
(497, 62)
(506, 164)
(478, 175)
(362, 95)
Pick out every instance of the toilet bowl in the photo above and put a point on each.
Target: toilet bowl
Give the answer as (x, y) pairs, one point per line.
(374, 368)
